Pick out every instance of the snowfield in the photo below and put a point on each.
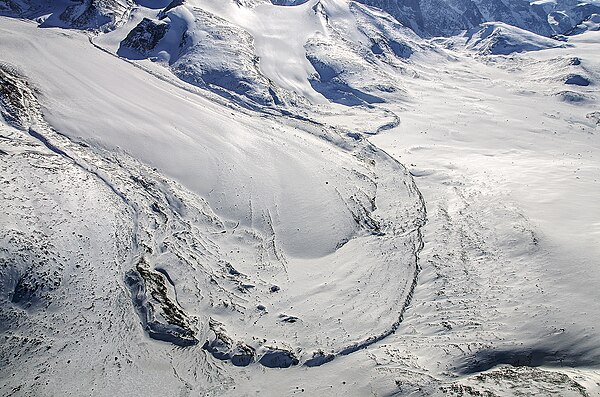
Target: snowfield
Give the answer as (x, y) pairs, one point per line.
(238, 197)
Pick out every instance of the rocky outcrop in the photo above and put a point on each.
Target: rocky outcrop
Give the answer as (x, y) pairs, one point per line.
(97, 14)
(431, 18)
(160, 315)
(102, 15)
(145, 36)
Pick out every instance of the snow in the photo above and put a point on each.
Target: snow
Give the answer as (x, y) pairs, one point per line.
(442, 239)
(281, 54)
(514, 162)
(293, 205)
(209, 156)
(502, 39)
(270, 25)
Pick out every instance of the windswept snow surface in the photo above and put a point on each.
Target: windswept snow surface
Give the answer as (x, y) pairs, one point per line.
(212, 150)
(158, 239)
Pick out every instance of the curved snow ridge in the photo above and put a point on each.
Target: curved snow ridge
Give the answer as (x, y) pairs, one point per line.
(283, 354)
(319, 357)
(362, 215)
(250, 274)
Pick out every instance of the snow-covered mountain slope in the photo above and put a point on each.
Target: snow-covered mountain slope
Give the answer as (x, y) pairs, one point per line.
(449, 17)
(248, 54)
(592, 23)
(292, 212)
(502, 39)
(340, 51)
(244, 50)
(426, 17)
(80, 14)
(210, 199)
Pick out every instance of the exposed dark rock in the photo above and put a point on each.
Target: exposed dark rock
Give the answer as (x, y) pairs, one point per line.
(594, 116)
(288, 319)
(144, 37)
(222, 347)
(319, 358)
(243, 355)
(18, 104)
(577, 79)
(278, 358)
(572, 97)
(96, 14)
(10, 7)
(150, 299)
(173, 4)
(400, 50)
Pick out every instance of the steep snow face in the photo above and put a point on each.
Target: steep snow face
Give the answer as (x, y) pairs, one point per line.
(355, 61)
(329, 49)
(218, 54)
(279, 35)
(282, 55)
